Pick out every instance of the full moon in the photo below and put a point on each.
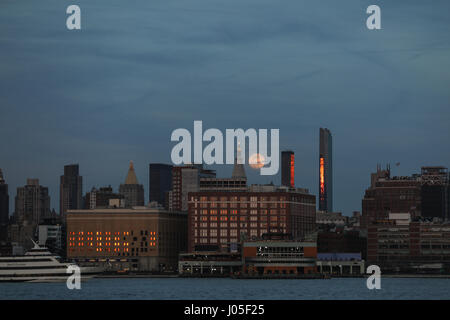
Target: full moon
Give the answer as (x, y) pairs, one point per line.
(256, 161)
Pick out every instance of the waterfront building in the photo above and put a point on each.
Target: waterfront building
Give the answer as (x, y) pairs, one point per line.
(140, 239)
(206, 263)
(340, 264)
(71, 189)
(401, 243)
(131, 190)
(340, 240)
(273, 254)
(219, 220)
(325, 171)
(270, 256)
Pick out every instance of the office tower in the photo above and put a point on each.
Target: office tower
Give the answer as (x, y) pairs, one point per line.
(71, 189)
(131, 189)
(100, 198)
(32, 203)
(32, 206)
(4, 208)
(435, 193)
(325, 171)
(186, 179)
(288, 169)
(390, 195)
(160, 182)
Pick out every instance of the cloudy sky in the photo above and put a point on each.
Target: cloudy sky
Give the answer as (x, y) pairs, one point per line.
(139, 69)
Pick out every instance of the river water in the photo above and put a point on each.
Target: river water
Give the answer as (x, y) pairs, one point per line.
(212, 288)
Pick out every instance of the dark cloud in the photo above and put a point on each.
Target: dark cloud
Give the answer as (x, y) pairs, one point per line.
(140, 69)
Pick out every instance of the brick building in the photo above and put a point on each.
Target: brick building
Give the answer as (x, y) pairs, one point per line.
(132, 239)
(398, 244)
(221, 220)
(390, 194)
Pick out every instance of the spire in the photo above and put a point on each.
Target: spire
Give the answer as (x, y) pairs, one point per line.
(131, 176)
(238, 170)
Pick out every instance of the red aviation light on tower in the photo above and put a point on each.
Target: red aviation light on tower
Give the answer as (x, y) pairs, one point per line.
(322, 178)
(292, 178)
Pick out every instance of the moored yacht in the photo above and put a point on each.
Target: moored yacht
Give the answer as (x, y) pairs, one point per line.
(39, 265)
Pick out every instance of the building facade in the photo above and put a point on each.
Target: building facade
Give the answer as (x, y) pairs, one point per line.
(435, 193)
(100, 198)
(221, 220)
(390, 194)
(32, 203)
(186, 179)
(50, 236)
(160, 182)
(399, 244)
(288, 169)
(342, 241)
(131, 239)
(4, 208)
(279, 257)
(71, 189)
(131, 190)
(325, 171)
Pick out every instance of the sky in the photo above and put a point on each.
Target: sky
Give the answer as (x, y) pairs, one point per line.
(115, 90)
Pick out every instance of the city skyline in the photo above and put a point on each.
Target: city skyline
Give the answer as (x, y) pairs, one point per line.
(117, 92)
(145, 193)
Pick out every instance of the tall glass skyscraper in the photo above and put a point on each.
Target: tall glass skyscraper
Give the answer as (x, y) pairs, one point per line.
(325, 171)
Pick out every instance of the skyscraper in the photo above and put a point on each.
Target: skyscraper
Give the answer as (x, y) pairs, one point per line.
(32, 203)
(4, 208)
(132, 190)
(186, 179)
(325, 171)
(71, 189)
(288, 169)
(160, 181)
(435, 193)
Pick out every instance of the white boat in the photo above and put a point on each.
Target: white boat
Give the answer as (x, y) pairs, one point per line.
(39, 265)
